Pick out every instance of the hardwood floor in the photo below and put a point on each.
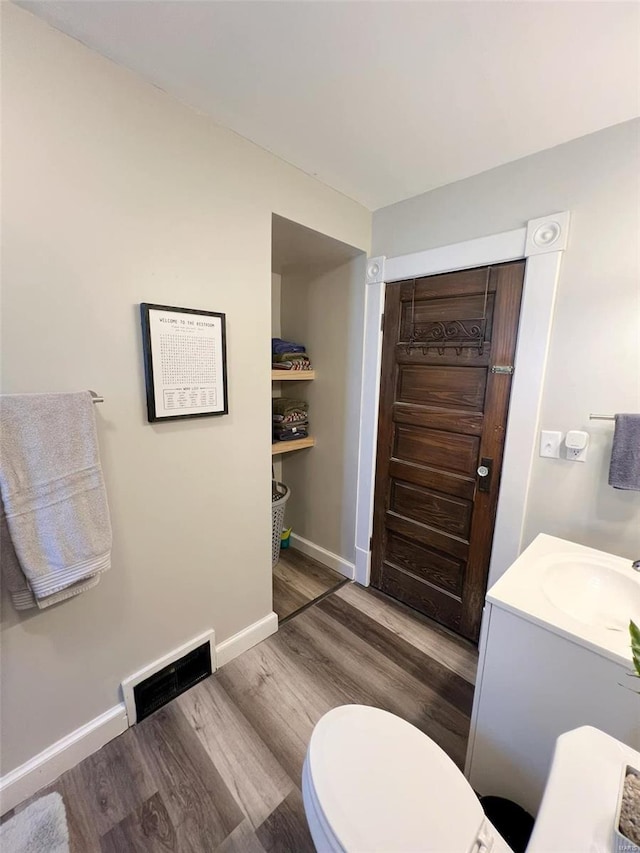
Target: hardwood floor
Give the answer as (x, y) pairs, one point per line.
(219, 769)
(299, 580)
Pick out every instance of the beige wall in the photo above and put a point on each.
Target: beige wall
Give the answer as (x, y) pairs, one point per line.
(276, 289)
(116, 194)
(594, 360)
(325, 310)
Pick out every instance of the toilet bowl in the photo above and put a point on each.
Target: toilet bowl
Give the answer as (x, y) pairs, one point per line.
(373, 783)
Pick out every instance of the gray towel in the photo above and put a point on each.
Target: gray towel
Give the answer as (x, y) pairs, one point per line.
(624, 471)
(16, 584)
(53, 494)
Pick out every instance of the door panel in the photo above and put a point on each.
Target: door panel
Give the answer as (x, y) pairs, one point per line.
(428, 313)
(454, 308)
(445, 387)
(424, 563)
(445, 543)
(462, 283)
(418, 504)
(442, 410)
(444, 450)
(427, 598)
(464, 422)
(450, 484)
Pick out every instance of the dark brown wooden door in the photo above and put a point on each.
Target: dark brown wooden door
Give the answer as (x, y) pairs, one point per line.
(443, 413)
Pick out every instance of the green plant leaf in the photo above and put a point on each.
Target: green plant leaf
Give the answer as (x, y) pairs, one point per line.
(634, 633)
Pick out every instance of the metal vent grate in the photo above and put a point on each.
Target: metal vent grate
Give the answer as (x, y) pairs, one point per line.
(174, 679)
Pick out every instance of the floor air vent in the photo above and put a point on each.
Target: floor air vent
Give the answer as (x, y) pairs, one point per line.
(169, 682)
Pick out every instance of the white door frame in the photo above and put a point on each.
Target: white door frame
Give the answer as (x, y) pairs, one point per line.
(542, 243)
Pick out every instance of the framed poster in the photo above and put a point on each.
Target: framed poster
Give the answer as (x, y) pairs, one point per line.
(185, 362)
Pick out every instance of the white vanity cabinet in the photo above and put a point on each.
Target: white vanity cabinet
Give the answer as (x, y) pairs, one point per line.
(542, 673)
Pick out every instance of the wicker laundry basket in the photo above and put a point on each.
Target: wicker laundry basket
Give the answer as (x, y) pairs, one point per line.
(279, 497)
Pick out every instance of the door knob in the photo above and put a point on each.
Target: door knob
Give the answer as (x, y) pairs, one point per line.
(484, 473)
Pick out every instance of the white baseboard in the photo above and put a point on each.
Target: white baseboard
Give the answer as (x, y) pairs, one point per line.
(45, 767)
(129, 683)
(327, 558)
(245, 639)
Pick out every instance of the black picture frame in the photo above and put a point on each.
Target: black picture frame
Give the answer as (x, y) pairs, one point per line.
(150, 369)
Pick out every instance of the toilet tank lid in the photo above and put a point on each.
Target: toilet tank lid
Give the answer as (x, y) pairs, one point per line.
(382, 785)
(581, 794)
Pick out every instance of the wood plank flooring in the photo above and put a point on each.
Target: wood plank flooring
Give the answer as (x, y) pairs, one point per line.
(219, 769)
(299, 580)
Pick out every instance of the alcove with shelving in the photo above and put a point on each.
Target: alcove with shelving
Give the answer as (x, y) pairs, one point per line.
(278, 376)
(318, 301)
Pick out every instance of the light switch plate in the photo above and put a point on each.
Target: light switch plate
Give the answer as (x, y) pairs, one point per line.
(550, 441)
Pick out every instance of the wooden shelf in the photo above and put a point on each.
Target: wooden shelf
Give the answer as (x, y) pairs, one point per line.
(288, 446)
(292, 375)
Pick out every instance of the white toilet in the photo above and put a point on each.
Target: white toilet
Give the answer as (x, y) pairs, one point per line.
(373, 783)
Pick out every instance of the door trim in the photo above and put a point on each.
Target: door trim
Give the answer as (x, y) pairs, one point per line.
(542, 244)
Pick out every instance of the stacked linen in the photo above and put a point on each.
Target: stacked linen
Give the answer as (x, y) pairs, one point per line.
(287, 355)
(290, 419)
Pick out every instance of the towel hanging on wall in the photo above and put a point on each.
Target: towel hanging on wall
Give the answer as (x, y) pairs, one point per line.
(55, 506)
(624, 471)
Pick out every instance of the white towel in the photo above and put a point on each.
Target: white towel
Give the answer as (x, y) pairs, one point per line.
(54, 497)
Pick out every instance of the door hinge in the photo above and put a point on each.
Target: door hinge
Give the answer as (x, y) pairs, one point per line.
(382, 322)
(503, 368)
(371, 543)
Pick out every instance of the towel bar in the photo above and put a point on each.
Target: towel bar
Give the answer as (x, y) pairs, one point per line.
(601, 418)
(96, 397)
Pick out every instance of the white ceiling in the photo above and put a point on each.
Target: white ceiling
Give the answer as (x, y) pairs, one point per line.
(381, 100)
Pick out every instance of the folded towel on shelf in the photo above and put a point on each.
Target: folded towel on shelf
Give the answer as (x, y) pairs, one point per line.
(56, 517)
(287, 406)
(290, 433)
(292, 418)
(301, 422)
(293, 364)
(624, 470)
(285, 357)
(278, 345)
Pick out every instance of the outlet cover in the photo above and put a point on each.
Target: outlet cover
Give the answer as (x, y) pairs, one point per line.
(550, 441)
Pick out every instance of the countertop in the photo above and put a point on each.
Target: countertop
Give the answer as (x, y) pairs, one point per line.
(520, 590)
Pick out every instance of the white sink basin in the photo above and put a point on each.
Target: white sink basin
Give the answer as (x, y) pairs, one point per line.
(585, 595)
(591, 592)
